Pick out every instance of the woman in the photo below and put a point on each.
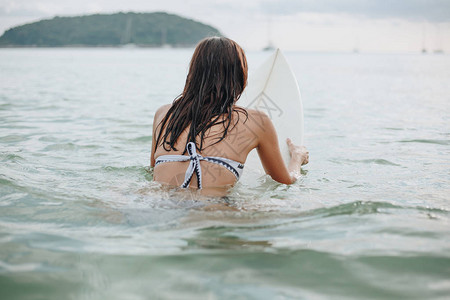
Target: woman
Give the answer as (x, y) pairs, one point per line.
(202, 140)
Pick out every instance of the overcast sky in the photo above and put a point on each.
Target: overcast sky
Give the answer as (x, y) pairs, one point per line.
(311, 25)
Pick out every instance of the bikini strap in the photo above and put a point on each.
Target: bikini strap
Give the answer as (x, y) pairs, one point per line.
(194, 166)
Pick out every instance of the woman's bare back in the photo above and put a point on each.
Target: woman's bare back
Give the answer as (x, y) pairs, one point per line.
(242, 137)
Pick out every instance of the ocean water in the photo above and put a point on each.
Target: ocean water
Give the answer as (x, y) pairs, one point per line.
(80, 217)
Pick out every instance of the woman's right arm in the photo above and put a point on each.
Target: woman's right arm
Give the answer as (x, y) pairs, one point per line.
(270, 154)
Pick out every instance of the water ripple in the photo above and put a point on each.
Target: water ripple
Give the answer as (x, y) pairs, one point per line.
(427, 141)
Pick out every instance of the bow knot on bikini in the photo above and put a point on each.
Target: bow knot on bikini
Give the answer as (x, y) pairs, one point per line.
(194, 166)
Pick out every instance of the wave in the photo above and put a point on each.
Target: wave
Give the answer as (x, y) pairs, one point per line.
(427, 141)
(69, 147)
(5, 157)
(377, 161)
(367, 207)
(14, 138)
(357, 207)
(141, 139)
(127, 169)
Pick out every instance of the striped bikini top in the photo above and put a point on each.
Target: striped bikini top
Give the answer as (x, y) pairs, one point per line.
(194, 165)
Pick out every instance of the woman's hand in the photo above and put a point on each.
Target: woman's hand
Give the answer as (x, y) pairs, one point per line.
(298, 153)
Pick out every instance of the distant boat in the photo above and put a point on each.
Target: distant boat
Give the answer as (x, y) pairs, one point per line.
(439, 39)
(424, 39)
(269, 47)
(356, 47)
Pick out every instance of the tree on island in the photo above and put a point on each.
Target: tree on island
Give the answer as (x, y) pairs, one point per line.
(142, 29)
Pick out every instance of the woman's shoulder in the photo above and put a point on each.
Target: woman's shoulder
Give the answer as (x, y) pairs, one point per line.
(255, 117)
(162, 110)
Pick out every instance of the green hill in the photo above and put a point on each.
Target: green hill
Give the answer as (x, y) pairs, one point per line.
(142, 29)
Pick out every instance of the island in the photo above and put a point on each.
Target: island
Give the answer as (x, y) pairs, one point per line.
(158, 29)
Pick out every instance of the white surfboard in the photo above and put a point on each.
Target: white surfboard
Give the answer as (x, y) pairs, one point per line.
(273, 88)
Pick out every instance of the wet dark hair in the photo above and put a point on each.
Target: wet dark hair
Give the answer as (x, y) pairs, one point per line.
(216, 79)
